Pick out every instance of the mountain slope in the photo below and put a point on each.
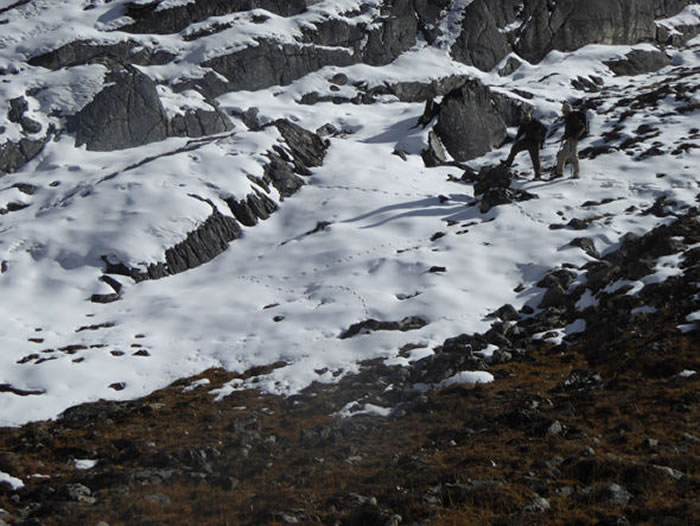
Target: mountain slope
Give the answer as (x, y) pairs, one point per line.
(279, 192)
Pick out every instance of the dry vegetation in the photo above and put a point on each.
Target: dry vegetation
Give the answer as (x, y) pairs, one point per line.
(461, 455)
(599, 429)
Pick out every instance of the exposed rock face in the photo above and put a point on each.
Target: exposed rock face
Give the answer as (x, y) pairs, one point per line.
(149, 19)
(269, 64)
(468, 123)
(565, 25)
(638, 61)
(482, 43)
(199, 122)
(14, 155)
(569, 25)
(428, 13)
(126, 113)
(82, 52)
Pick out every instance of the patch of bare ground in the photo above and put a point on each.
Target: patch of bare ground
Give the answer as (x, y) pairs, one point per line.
(602, 429)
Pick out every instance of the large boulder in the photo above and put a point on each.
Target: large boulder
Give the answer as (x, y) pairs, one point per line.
(468, 123)
(126, 113)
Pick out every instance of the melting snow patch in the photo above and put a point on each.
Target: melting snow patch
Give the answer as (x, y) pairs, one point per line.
(693, 319)
(586, 300)
(84, 463)
(194, 385)
(487, 353)
(468, 377)
(355, 408)
(14, 482)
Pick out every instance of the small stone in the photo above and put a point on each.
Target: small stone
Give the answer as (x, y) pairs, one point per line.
(537, 505)
(650, 443)
(555, 428)
(614, 495)
(80, 493)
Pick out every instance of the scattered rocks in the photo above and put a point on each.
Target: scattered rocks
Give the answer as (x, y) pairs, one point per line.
(410, 323)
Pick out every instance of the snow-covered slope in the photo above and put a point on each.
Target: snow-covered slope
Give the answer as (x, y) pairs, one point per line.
(358, 241)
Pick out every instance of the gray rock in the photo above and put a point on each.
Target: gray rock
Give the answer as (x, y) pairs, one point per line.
(200, 122)
(29, 125)
(173, 20)
(18, 106)
(468, 124)
(84, 52)
(434, 154)
(496, 176)
(409, 323)
(481, 42)
(586, 244)
(554, 297)
(254, 207)
(14, 155)
(501, 196)
(80, 493)
(126, 113)
(613, 495)
(511, 65)
(639, 61)
(569, 25)
(270, 63)
(537, 505)
(307, 148)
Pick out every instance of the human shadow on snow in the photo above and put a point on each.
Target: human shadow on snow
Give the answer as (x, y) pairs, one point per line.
(432, 206)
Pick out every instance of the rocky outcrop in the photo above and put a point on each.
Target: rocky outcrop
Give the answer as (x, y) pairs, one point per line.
(201, 245)
(639, 61)
(491, 30)
(14, 155)
(83, 52)
(126, 113)
(199, 122)
(468, 124)
(482, 42)
(569, 25)
(299, 151)
(149, 18)
(428, 13)
(267, 64)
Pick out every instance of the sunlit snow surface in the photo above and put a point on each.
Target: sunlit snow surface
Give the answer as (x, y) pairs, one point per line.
(278, 294)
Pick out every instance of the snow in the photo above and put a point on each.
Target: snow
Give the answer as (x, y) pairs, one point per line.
(468, 377)
(84, 464)
(13, 482)
(372, 261)
(355, 409)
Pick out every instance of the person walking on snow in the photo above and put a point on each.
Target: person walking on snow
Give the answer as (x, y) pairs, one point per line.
(574, 129)
(530, 137)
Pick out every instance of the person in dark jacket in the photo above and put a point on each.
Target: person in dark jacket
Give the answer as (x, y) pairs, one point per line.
(530, 137)
(574, 129)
